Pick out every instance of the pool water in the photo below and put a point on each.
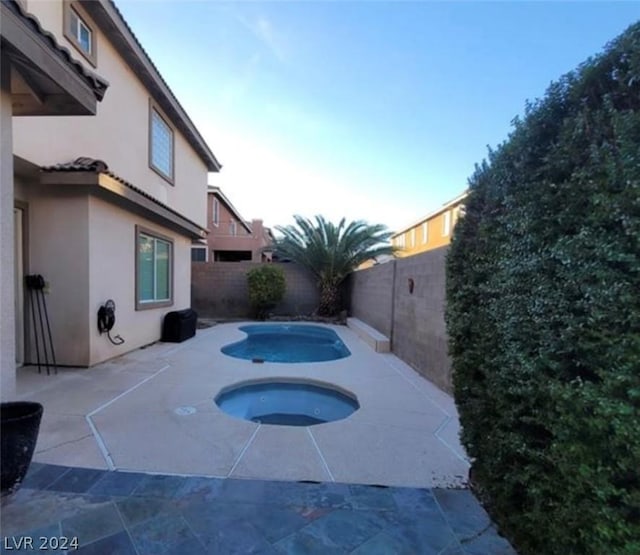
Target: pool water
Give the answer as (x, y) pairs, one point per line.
(288, 343)
(286, 403)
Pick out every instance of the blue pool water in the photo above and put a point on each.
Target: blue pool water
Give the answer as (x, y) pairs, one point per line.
(286, 403)
(288, 343)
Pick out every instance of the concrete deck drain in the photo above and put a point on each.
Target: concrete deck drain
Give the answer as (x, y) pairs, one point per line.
(185, 411)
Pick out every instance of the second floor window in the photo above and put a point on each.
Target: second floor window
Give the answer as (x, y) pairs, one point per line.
(425, 232)
(161, 146)
(446, 223)
(79, 32)
(216, 212)
(232, 227)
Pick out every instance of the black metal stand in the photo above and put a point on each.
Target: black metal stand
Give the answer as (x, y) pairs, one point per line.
(35, 285)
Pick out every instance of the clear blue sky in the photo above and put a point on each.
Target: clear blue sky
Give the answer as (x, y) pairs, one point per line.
(368, 110)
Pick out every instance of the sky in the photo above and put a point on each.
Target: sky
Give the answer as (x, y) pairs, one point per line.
(370, 110)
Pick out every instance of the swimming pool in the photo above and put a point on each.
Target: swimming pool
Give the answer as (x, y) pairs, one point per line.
(288, 343)
(285, 403)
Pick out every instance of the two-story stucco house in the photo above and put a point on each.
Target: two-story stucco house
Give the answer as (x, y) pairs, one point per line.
(431, 231)
(107, 207)
(231, 238)
(38, 77)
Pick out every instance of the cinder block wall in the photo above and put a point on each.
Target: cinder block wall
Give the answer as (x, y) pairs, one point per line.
(413, 321)
(371, 293)
(219, 290)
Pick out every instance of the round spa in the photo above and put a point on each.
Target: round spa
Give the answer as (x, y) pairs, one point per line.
(283, 403)
(288, 343)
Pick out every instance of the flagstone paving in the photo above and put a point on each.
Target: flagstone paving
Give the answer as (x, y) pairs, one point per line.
(126, 513)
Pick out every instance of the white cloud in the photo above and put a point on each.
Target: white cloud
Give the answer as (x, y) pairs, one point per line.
(264, 30)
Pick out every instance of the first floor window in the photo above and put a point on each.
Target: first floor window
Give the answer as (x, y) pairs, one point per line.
(198, 254)
(154, 267)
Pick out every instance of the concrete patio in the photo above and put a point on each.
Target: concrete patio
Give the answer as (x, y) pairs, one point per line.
(121, 469)
(126, 415)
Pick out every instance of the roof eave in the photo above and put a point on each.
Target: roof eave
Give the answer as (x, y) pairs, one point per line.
(109, 18)
(33, 50)
(433, 214)
(213, 190)
(126, 196)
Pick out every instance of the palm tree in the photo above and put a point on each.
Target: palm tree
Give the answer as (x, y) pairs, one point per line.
(331, 252)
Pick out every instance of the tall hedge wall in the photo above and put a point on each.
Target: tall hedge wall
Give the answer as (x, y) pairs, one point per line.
(543, 314)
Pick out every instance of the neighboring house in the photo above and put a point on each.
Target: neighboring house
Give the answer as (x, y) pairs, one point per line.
(430, 232)
(107, 206)
(376, 261)
(231, 238)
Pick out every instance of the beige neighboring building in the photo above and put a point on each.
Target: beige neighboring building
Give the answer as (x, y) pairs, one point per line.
(107, 207)
(431, 231)
(231, 238)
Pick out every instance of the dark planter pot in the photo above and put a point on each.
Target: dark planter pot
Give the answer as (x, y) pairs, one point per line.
(19, 431)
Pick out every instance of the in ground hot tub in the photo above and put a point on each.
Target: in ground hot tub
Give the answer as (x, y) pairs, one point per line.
(286, 403)
(288, 343)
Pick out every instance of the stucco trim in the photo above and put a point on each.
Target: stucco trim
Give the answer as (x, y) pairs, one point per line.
(127, 197)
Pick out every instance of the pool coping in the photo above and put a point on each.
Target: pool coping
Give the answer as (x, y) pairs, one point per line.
(400, 413)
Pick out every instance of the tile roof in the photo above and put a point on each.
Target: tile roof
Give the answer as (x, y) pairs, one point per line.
(97, 83)
(93, 165)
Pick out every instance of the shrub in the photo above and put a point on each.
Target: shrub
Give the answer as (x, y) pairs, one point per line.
(543, 315)
(267, 285)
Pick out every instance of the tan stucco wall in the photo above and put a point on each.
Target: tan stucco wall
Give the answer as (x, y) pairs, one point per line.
(59, 251)
(7, 317)
(112, 276)
(85, 249)
(118, 134)
(414, 237)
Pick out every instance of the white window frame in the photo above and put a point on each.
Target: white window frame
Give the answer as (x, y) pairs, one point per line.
(74, 21)
(413, 237)
(425, 232)
(446, 223)
(156, 117)
(78, 33)
(155, 302)
(216, 212)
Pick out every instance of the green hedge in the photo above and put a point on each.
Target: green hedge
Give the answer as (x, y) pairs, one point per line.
(267, 285)
(543, 315)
